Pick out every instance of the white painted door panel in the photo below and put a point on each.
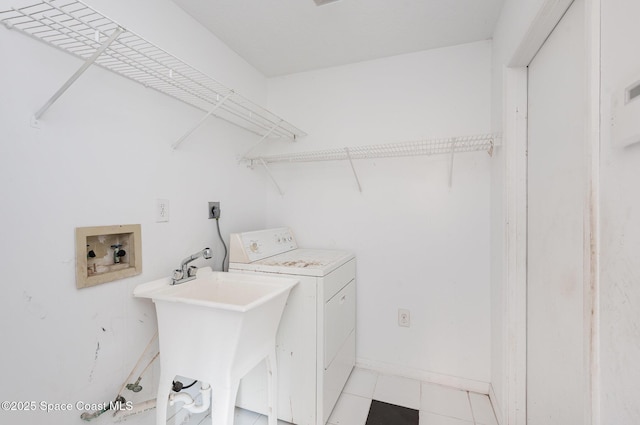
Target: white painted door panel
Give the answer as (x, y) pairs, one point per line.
(556, 198)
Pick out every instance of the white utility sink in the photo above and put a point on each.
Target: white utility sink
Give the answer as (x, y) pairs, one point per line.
(215, 329)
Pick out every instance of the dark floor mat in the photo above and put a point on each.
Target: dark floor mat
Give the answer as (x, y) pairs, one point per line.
(389, 414)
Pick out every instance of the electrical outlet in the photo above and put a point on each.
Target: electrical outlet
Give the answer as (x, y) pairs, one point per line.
(214, 209)
(404, 317)
(162, 210)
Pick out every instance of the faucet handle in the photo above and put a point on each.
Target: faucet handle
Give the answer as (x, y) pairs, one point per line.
(191, 271)
(177, 274)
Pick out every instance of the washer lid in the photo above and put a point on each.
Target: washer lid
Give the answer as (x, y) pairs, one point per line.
(301, 261)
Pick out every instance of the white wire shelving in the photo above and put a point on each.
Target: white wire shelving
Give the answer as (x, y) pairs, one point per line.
(450, 146)
(74, 27)
(483, 142)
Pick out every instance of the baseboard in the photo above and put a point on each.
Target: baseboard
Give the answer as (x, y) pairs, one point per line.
(497, 410)
(424, 375)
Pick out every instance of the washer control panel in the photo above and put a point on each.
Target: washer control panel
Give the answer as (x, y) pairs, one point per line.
(248, 247)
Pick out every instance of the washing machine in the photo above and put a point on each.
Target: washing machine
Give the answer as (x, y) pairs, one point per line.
(315, 345)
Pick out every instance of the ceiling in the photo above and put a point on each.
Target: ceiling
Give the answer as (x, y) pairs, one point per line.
(281, 37)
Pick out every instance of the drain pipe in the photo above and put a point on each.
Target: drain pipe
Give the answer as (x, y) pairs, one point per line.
(189, 402)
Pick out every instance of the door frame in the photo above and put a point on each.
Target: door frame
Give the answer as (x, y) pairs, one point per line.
(514, 131)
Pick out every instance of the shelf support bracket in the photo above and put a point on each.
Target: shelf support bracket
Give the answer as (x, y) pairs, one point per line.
(353, 168)
(453, 150)
(264, 164)
(116, 33)
(262, 139)
(199, 123)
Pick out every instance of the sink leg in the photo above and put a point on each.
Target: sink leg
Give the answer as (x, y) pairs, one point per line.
(272, 387)
(164, 388)
(223, 402)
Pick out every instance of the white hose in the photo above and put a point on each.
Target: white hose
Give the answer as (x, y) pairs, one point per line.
(124, 384)
(121, 415)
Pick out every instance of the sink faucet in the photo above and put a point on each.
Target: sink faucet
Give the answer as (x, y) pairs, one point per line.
(186, 273)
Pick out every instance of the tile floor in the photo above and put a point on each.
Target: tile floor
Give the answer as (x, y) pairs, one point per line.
(438, 405)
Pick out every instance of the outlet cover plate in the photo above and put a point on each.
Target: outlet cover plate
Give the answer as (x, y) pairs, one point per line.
(213, 205)
(162, 210)
(404, 317)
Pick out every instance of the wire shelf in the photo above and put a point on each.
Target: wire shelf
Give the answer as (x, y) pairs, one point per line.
(484, 142)
(74, 27)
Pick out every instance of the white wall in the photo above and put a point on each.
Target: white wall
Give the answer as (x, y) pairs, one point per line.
(102, 157)
(620, 228)
(419, 244)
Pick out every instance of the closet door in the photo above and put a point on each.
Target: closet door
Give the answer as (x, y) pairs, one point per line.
(556, 373)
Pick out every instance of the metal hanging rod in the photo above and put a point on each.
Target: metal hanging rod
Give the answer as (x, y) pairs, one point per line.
(453, 145)
(74, 27)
